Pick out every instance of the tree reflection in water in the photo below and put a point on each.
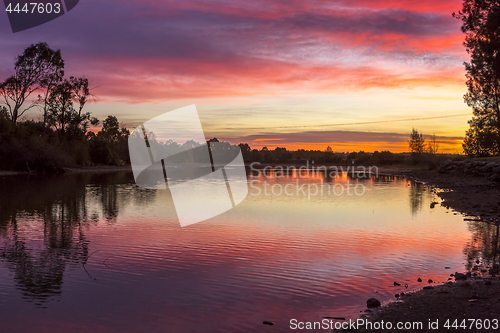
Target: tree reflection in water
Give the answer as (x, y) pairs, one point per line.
(43, 222)
(417, 191)
(482, 251)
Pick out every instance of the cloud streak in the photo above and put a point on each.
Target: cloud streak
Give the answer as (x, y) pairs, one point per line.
(339, 140)
(150, 52)
(140, 51)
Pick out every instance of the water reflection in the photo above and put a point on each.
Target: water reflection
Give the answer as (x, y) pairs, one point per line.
(322, 174)
(384, 179)
(43, 223)
(270, 258)
(483, 249)
(417, 191)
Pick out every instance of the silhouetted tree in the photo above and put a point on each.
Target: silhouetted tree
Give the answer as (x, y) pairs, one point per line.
(352, 156)
(110, 145)
(433, 145)
(110, 128)
(256, 157)
(37, 68)
(245, 151)
(61, 105)
(416, 142)
(481, 25)
(245, 148)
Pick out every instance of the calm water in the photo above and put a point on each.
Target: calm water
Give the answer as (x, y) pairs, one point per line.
(82, 252)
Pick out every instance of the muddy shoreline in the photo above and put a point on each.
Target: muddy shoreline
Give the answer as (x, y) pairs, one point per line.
(452, 303)
(475, 197)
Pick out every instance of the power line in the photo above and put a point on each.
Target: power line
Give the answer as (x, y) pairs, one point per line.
(367, 122)
(396, 120)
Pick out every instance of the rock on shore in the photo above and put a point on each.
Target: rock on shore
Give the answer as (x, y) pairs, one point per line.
(489, 170)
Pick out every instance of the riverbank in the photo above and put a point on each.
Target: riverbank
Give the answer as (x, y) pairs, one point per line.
(450, 307)
(88, 169)
(472, 295)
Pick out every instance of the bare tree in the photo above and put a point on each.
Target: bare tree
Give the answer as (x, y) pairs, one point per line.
(433, 145)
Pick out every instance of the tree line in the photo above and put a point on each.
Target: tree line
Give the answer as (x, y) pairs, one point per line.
(280, 155)
(62, 137)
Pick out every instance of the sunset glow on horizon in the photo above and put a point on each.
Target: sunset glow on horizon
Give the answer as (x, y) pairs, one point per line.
(352, 75)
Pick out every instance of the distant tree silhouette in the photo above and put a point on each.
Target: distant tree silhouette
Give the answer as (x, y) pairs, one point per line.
(416, 142)
(110, 145)
(256, 156)
(386, 158)
(433, 145)
(245, 148)
(481, 25)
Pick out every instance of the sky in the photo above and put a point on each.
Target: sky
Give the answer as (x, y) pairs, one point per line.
(350, 74)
